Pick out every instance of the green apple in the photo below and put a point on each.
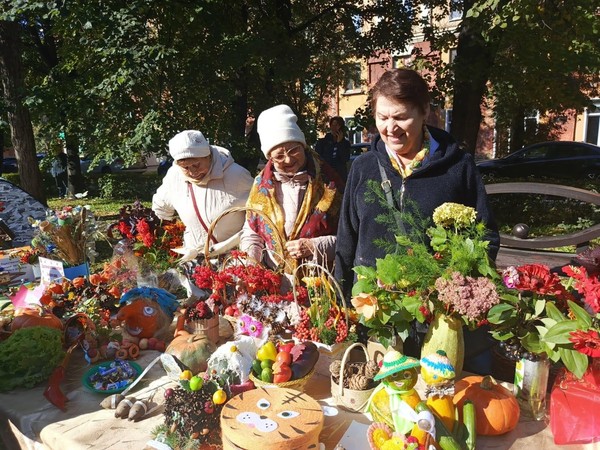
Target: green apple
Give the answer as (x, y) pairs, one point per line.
(196, 383)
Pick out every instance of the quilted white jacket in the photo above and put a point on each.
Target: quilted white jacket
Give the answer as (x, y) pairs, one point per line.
(226, 185)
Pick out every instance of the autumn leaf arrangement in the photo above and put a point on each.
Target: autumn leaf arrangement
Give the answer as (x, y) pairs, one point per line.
(449, 272)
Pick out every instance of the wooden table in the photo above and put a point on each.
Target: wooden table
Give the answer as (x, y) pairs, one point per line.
(28, 421)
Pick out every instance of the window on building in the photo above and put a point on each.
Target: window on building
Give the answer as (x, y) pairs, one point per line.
(456, 9)
(353, 135)
(353, 83)
(592, 124)
(452, 55)
(531, 122)
(447, 119)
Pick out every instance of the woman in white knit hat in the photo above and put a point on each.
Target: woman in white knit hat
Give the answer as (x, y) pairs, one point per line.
(203, 182)
(299, 192)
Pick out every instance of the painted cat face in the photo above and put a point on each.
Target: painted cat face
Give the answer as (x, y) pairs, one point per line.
(273, 415)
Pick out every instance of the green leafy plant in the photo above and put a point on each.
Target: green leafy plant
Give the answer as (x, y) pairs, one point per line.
(549, 314)
(418, 279)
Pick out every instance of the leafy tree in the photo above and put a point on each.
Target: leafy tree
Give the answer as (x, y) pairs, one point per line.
(125, 76)
(517, 57)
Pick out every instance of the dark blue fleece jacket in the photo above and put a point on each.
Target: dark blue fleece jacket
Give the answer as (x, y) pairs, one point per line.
(448, 174)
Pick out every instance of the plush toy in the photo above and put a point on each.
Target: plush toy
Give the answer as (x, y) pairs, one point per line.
(399, 376)
(147, 312)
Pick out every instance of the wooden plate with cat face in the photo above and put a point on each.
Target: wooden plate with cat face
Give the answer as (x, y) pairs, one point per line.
(271, 419)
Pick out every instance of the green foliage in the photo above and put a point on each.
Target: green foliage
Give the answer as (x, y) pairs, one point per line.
(29, 356)
(124, 186)
(122, 78)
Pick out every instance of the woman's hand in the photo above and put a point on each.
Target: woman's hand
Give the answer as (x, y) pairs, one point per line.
(300, 248)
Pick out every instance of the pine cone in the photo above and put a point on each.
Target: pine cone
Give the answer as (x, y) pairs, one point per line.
(335, 368)
(356, 368)
(359, 383)
(371, 369)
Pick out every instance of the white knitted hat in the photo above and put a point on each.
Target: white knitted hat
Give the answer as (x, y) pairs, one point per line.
(189, 144)
(277, 125)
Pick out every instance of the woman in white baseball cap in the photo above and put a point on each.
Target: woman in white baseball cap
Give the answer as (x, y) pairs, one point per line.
(203, 182)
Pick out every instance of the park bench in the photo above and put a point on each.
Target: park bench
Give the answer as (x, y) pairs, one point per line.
(517, 251)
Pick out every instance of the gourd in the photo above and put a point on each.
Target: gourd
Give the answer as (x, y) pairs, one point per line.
(496, 408)
(35, 317)
(192, 350)
(444, 438)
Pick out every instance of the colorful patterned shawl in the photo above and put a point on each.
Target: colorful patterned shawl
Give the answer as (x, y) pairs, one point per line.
(319, 212)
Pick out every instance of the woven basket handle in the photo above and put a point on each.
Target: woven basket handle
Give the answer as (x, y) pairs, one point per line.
(279, 241)
(331, 278)
(345, 358)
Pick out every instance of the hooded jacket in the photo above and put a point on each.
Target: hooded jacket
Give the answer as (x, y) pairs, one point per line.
(226, 185)
(448, 174)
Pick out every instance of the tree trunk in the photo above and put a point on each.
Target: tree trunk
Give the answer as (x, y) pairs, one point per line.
(13, 83)
(474, 59)
(76, 181)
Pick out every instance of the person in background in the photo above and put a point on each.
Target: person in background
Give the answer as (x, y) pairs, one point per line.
(58, 170)
(297, 191)
(423, 166)
(334, 148)
(203, 181)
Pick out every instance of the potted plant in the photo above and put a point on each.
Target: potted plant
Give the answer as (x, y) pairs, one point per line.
(544, 317)
(151, 239)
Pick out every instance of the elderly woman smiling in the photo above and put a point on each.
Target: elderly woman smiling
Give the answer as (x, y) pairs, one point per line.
(297, 191)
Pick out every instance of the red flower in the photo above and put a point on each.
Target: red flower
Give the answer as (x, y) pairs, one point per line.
(587, 286)
(586, 342)
(125, 230)
(537, 278)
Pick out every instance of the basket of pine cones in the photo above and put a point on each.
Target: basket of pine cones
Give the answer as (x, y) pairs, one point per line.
(352, 382)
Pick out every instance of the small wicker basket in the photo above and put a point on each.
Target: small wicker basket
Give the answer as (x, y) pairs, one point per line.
(350, 399)
(280, 253)
(292, 384)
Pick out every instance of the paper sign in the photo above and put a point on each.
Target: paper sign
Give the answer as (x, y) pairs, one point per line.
(18, 300)
(355, 437)
(50, 270)
(26, 297)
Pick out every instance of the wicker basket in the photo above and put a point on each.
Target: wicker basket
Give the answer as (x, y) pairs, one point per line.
(280, 251)
(292, 384)
(327, 353)
(350, 399)
(204, 327)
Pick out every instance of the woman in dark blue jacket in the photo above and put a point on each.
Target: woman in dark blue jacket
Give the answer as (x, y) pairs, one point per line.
(424, 166)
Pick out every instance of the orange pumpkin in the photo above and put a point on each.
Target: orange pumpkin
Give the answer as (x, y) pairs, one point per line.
(192, 350)
(30, 317)
(496, 408)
